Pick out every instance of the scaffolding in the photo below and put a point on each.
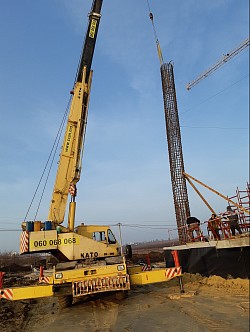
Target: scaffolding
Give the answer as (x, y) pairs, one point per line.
(243, 199)
(179, 188)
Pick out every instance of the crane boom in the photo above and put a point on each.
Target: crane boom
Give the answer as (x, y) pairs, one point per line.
(69, 168)
(90, 40)
(218, 64)
(81, 242)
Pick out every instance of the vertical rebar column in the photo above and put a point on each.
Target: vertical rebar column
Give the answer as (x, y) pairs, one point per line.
(179, 188)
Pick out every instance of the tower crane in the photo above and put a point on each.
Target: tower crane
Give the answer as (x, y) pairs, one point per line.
(218, 64)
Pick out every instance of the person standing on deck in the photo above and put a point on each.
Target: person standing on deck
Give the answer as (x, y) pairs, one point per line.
(193, 224)
(214, 225)
(232, 216)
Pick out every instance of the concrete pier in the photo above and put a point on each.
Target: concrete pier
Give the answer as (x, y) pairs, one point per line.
(229, 257)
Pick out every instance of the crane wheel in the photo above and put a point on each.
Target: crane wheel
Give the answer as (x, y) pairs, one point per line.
(65, 301)
(121, 295)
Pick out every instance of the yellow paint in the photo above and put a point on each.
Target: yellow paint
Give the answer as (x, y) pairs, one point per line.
(83, 246)
(32, 292)
(149, 277)
(92, 29)
(71, 216)
(67, 148)
(93, 271)
(68, 240)
(134, 269)
(69, 158)
(91, 275)
(43, 240)
(74, 245)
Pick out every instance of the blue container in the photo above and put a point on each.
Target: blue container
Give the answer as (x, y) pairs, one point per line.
(30, 226)
(47, 225)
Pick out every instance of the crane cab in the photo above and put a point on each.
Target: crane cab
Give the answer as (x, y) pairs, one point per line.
(97, 233)
(85, 242)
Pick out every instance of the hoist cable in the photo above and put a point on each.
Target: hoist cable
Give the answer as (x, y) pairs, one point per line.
(52, 161)
(152, 20)
(79, 64)
(80, 59)
(53, 149)
(151, 16)
(214, 95)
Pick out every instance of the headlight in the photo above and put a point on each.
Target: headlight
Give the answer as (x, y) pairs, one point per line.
(58, 275)
(120, 267)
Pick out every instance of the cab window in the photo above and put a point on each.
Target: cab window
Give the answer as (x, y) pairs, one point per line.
(111, 237)
(99, 236)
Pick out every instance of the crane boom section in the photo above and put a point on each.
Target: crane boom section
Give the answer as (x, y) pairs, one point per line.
(69, 168)
(90, 40)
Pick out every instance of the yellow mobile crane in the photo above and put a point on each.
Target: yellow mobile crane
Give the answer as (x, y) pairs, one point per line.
(89, 257)
(83, 242)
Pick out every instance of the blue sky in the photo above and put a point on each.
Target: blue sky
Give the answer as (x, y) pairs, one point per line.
(125, 175)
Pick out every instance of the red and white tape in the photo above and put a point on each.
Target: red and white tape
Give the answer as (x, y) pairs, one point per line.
(173, 272)
(6, 294)
(24, 242)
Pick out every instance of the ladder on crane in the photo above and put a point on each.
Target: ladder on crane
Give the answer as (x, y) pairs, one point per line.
(218, 64)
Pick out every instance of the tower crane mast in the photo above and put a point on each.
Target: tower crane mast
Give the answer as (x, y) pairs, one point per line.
(218, 64)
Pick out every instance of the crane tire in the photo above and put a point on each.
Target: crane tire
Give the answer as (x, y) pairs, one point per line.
(65, 301)
(121, 295)
(128, 251)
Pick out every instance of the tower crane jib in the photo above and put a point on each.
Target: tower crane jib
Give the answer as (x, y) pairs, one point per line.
(218, 64)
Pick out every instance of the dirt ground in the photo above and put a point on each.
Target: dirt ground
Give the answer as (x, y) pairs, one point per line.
(219, 305)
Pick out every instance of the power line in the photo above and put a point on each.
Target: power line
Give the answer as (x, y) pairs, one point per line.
(221, 62)
(11, 218)
(197, 127)
(216, 94)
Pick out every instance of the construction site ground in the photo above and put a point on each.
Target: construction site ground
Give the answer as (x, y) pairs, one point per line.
(218, 305)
